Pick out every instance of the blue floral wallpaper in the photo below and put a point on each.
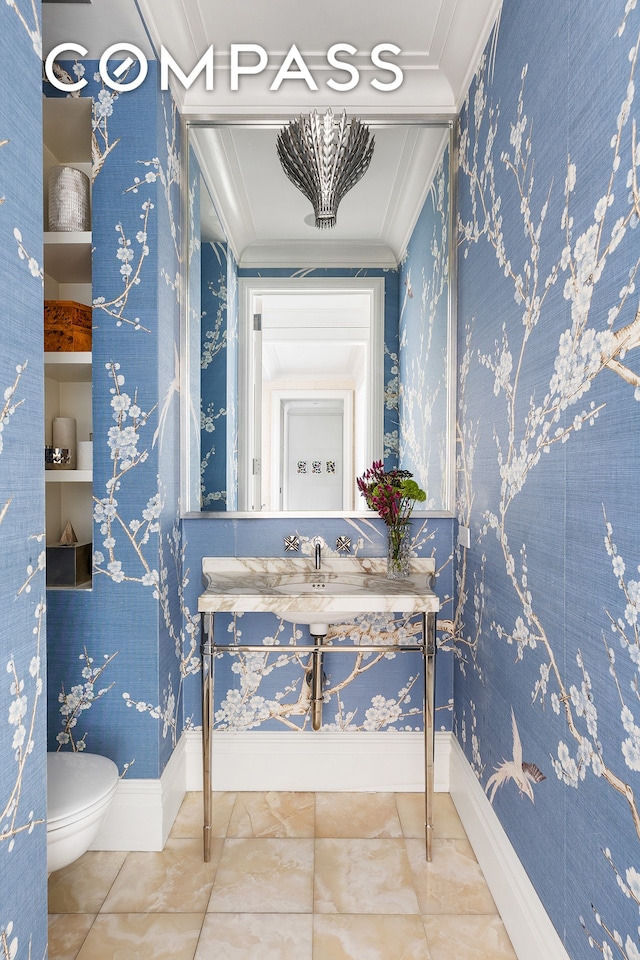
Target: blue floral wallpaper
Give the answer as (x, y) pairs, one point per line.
(424, 348)
(23, 900)
(115, 678)
(213, 379)
(547, 628)
(193, 356)
(539, 639)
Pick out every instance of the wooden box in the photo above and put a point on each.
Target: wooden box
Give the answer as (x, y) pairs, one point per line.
(67, 326)
(68, 566)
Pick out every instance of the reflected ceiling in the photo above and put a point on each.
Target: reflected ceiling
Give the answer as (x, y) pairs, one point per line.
(265, 217)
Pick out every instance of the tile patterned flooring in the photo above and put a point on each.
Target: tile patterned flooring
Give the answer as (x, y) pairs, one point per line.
(293, 876)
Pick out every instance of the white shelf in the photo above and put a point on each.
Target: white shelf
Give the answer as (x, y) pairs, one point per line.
(68, 367)
(61, 238)
(68, 476)
(87, 585)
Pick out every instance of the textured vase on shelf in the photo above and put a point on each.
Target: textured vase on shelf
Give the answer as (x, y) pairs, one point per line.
(69, 203)
(398, 550)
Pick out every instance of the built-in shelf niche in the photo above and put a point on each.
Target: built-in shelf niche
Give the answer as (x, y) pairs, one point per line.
(68, 492)
(67, 269)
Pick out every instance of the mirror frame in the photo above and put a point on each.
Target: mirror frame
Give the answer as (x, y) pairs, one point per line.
(186, 410)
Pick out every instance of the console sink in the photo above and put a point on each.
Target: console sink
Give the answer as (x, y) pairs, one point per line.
(343, 589)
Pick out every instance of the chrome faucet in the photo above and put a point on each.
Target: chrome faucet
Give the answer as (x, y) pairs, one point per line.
(318, 544)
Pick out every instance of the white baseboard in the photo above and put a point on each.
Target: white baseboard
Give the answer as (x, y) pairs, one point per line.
(532, 934)
(314, 761)
(142, 812)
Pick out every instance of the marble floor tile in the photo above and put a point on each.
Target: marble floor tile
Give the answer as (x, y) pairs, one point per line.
(273, 814)
(158, 936)
(83, 885)
(67, 933)
(390, 937)
(363, 876)
(266, 875)
(175, 879)
(361, 890)
(468, 938)
(255, 936)
(453, 882)
(352, 815)
(446, 822)
(188, 823)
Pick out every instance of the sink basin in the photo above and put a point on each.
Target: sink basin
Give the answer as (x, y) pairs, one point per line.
(319, 585)
(316, 584)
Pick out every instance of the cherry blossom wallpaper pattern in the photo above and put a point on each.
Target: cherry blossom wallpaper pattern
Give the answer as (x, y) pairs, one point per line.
(424, 349)
(23, 893)
(547, 644)
(216, 261)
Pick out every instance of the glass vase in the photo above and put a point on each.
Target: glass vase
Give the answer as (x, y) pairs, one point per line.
(398, 548)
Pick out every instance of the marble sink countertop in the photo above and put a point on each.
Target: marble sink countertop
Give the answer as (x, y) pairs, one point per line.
(280, 584)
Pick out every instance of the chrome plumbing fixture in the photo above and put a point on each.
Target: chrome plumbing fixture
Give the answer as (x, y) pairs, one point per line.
(316, 681)
(343, 544)
(317, 669)
(292, 542)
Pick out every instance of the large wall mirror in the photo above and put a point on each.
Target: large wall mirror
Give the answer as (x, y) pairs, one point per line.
(308, 353)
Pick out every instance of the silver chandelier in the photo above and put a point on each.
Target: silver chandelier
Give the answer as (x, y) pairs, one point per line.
(325, 157)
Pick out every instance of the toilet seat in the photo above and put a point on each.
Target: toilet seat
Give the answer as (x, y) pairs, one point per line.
(77, 784)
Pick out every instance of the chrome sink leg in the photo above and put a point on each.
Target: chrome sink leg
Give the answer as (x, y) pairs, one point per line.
(207, 656)
(429, 641)
(317, 676)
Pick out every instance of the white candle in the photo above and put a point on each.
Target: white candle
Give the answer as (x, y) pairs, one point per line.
(64, 435)
(85, 455)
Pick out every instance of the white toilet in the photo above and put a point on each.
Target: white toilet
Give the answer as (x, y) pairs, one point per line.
(80, 788)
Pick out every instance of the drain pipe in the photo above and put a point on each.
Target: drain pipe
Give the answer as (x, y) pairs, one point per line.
(317, 675)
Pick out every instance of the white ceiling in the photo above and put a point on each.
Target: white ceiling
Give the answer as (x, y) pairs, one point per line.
(96, 25)
(262, 212)
(440, 42)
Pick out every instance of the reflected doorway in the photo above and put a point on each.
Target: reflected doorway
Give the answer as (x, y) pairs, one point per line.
(312, 414)
(311, 437)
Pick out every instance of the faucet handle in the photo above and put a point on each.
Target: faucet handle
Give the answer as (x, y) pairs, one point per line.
(292, 542)
(343, 544)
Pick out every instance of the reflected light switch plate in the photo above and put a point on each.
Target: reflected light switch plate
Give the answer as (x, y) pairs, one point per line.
(464, 536)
